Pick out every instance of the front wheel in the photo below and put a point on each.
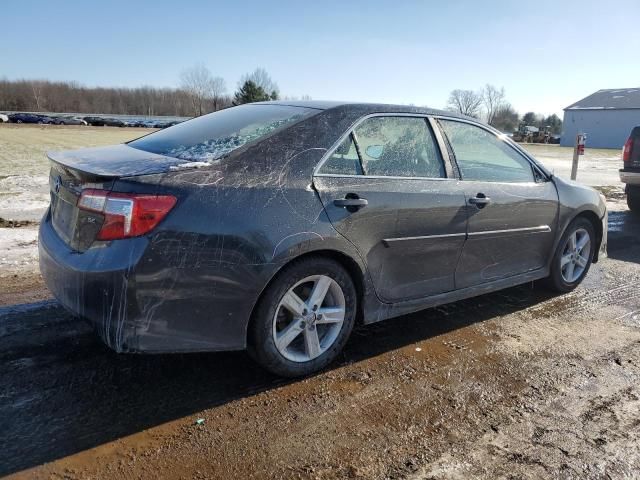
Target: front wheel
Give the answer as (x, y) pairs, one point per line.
(573, 256)
(304, 318)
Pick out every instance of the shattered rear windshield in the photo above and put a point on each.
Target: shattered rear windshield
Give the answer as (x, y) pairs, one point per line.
(210, 137)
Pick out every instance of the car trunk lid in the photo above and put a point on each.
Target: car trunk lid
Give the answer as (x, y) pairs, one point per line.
(93, 168)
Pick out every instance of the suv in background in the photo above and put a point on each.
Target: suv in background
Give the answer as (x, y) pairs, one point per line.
(630, 173)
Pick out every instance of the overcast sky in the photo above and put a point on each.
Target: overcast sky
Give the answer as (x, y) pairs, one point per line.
(546, 54)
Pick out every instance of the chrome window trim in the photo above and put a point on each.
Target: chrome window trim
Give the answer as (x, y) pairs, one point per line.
(519, 150)
(329, 152)
(341, 175)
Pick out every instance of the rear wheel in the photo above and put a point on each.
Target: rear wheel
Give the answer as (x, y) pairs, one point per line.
(633, 198)
(573, 256)
(304, 318)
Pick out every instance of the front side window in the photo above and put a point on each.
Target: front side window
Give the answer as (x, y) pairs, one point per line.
(211, 137)
(344, 160)
(482, 156)
(399, 146)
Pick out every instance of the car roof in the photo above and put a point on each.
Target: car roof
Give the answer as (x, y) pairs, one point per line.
(365, 108)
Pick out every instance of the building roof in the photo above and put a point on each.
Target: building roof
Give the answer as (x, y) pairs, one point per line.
(609, 99)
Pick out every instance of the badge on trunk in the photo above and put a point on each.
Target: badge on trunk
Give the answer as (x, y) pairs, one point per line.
(56, 184)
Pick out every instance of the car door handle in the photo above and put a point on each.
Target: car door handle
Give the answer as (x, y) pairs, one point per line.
(351, 202)
(480, 200)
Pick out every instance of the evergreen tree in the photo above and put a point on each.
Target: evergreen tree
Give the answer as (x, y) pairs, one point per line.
(249, 92)
(554, 123)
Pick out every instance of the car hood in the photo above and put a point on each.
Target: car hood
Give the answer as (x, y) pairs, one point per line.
(115, 161)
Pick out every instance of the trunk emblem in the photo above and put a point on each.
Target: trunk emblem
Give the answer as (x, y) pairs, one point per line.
(56, 184)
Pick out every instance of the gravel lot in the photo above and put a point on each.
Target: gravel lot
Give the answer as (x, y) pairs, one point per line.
(515, 384)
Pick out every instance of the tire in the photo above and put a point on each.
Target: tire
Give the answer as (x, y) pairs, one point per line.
(563, 279)
(633, 198)
(297, 353)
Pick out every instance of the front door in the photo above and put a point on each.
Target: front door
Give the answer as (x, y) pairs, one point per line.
(386, 189)
(512, 208)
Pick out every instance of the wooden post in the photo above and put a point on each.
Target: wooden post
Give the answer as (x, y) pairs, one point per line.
(578, 150)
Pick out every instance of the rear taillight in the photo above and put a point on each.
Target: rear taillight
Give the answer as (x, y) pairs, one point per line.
(627, 150)
(126, 214)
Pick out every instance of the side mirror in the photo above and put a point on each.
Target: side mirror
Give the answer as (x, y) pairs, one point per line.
(374, 151)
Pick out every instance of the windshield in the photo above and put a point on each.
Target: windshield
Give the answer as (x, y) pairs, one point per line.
(210, 137)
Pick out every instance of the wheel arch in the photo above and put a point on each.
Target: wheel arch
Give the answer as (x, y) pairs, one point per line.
(355, 270)
(595, 221)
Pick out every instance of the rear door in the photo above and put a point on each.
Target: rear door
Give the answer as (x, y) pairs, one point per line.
(387, 189)
(512, 206)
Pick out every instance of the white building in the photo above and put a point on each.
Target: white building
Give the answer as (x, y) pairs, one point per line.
(606, 116)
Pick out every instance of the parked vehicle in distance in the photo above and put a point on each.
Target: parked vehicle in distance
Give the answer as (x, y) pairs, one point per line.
(45, 120)
(25, 118)
(277, 226)
(133, 123)
(69, 120)
(630, 173)
(103, 121)
(4, 118)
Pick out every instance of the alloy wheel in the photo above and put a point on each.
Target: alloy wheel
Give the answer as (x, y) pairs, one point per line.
(575, 255)
(309, 318)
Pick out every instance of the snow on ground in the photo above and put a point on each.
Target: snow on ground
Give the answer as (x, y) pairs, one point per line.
(18, 250)
(24, 197)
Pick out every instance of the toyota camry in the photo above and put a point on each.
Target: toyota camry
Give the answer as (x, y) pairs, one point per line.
(275, 227)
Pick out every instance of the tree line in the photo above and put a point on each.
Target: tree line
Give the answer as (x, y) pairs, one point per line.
(490, 104)
(199, 92)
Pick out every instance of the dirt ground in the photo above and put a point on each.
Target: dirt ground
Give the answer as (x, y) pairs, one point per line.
(515, 384)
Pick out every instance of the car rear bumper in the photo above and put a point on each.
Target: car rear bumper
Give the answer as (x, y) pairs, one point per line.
(630, 177)
(95, 285)
(140, 297)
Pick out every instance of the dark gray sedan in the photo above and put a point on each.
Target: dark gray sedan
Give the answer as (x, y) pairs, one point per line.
(276, 226)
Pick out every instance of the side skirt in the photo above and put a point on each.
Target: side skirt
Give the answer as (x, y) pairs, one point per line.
(376, 311)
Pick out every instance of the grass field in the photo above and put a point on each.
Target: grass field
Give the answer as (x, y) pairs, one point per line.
(24, 167)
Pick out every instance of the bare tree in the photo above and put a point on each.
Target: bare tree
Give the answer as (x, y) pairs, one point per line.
(505, 118)
(37, 87)
(492, 99)
(198, 82)
(466, 102)
(72, 97)
(261, 78)
(217, 89)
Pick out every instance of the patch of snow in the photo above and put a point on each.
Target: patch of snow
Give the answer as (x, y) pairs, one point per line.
(18, 250)
(24, 197)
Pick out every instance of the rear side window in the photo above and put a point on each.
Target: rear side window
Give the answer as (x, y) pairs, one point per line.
(399, 146)
(482, 156)
(214, 136)
(344, 160)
